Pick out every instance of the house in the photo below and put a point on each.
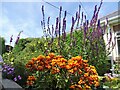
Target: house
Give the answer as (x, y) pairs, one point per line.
(114, 26)
(8, 48)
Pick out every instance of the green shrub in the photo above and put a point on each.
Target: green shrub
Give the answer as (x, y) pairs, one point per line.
(2, 45)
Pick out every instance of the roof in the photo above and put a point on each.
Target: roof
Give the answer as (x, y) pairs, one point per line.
(113, 18)
(111, 15)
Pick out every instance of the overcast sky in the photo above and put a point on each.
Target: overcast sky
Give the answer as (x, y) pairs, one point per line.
(26, 16)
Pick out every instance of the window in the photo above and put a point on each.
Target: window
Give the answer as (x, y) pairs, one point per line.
(118, 42)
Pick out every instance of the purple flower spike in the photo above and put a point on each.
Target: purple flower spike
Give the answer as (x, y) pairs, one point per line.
(52, 29)
(79, 8)
(82, 18)
(98, 23)
(85, 17)
(95, 10)
(42, 8)
(48, 25)
(65, 14)
(56, 29)
(76, 15)
(87, 22)
(18, 37)
(107, 20)
(73, 21)
(82, 15)
(60, 8)
(43, 17)
(11, 38)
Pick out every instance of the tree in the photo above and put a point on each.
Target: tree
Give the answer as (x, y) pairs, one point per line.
(2, 45)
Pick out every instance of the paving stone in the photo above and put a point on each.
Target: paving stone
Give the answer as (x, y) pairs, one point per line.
(10, 85)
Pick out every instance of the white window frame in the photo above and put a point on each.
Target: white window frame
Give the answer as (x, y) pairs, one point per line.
(117, 42)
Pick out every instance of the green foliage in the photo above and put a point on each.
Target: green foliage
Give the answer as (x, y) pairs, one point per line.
(112, 83)
(92, 50)
(25, 50)
(2, 45)
(21, 53)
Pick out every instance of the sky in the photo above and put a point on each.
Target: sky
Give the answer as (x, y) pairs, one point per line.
(26, 16)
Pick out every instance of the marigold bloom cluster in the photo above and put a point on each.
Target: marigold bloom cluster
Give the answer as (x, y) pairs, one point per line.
(75, 66)
(30, 80)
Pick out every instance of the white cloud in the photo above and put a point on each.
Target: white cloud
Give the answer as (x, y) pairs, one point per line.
(10, 25)
(9, 29)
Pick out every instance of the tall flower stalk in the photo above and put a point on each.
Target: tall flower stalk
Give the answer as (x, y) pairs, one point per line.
(91, 44)
(18, 37)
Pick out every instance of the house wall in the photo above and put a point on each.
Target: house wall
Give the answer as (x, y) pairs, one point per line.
(114, 29)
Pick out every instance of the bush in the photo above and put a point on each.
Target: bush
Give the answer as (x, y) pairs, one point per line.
(85, 40)
(2, 45)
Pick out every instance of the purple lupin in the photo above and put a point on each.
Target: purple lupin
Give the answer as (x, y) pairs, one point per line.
(18, 37)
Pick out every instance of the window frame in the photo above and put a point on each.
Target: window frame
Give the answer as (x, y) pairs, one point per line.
(117, 36)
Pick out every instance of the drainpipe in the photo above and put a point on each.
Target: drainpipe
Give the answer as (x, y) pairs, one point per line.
(112, 66)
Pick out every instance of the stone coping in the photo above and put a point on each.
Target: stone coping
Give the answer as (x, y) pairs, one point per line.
(6, 84)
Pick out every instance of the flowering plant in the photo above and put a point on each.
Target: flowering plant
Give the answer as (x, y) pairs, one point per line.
(9, 72)
(110, 82)
(86, 39)
(72, 73)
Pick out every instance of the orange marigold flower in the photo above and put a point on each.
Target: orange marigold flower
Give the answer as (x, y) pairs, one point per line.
(62, 66)
(79, 87)
(30, 83)
(75, 69)
(31, 78)
(73, 58)
(63, 60)
(85, 65)
(78, 58)
(51, 55)
(91, 82)
(86, 75)
(59, 56)
(85, 61)
(40, 68)
(48, 66)
(80, 72)
(71, 71)
(93, 71)
(95, 77)
(72, 86)
(30, 62)
(97, 84)
(28, 66)
(92, 67)
(55, 70)
(34, 67)
(80, 82)
(40, 57)
(53, 63)
(87, 69)
(34, 59)
(48, 58)
(68, 67)
(87, 87)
